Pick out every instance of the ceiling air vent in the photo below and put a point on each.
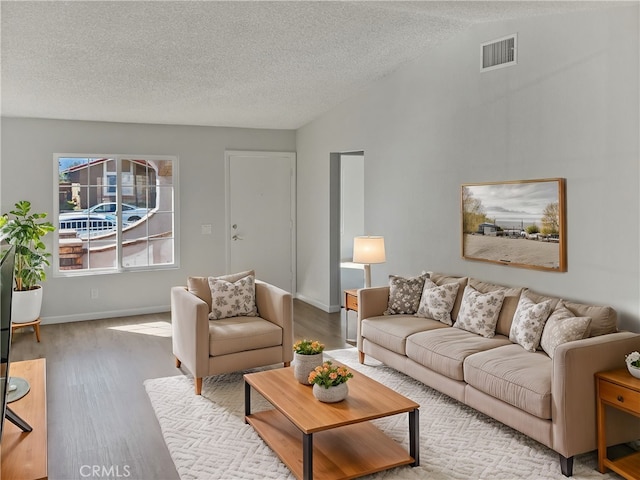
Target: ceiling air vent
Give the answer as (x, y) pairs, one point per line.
(499, 53)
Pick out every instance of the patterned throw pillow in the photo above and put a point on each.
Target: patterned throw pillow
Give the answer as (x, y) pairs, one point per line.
(437, 301)
(528, 322)
(233, 299)
(562, 327)
(404, 294)
(479, 311)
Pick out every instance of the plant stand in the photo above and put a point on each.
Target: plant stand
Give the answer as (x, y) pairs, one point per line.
(35, 324)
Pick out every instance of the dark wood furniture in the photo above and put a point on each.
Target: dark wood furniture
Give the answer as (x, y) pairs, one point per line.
(24, 455)
(330, 440)
(620, 390)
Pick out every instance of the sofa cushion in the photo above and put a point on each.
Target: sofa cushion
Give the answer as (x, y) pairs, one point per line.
(233, 299)
(199, 286)
(441, 279)
(562, 327)
(445, 349)
(528, 322)
(391, 332)
(239, 334)
(513, 375)
(404, 294)
(603, 319)
(437, 301)
(509, 304)
(479, 311)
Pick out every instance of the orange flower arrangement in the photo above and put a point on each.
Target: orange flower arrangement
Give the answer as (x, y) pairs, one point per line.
(327, 375)
(308, 347)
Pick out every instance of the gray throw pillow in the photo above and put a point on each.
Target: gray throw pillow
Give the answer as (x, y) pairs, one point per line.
(405, 294)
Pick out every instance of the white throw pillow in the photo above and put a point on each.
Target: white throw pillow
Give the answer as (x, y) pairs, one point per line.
(479, 311)
(437, 301)
(562, 327)
(528, 322)
(232, 299)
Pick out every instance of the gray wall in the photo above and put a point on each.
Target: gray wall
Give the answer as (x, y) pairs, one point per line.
(568, 109)
(27, 174)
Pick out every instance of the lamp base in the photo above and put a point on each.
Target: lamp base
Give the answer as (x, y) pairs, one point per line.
(367, 275)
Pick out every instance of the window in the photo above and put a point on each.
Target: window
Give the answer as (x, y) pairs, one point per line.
(115, 213)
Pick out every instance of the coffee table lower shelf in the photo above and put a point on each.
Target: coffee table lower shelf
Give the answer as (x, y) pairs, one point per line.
(340, 453)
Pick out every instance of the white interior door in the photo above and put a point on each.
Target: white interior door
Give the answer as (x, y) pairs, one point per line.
(261, 215)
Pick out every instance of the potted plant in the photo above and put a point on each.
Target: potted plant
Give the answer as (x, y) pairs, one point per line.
(330, 382)
(307, 355)
(25, 230)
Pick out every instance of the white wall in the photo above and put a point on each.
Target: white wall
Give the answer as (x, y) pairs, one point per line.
(568, 109)
(27, 174)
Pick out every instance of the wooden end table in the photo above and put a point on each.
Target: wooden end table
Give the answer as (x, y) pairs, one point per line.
(350, 303)
(330, 440)
(620, 390)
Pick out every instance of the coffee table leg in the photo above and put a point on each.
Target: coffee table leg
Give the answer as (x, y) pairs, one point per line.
(414, 437)
(247, 400)
(307, 456)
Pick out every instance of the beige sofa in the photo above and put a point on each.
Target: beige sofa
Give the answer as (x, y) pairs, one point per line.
(552, 400)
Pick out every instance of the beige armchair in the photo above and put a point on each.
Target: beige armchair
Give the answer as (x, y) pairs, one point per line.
(212, 347)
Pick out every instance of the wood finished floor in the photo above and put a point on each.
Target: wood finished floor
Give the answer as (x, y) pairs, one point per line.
(98, 410)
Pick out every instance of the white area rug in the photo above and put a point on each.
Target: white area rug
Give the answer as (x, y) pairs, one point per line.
(208, 439)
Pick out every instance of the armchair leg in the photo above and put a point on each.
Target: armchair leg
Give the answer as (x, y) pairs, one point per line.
(178, 362)
(566, 466)
(287, 364)
(198, 382)
(361, 357)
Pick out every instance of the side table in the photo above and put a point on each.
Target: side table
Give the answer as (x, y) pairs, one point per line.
(620, 390)
(350, 303)
(35, 324)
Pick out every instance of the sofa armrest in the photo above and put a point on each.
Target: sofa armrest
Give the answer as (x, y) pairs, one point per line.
(372, 302)
(573, 390)
(190, 330)
(276, 305)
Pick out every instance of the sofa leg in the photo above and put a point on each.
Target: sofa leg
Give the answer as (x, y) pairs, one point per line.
(287, 364)
(566, 466)
(198, 381)
(178, 362)
(361, 356)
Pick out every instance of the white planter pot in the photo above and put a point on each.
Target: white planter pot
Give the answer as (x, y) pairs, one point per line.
(303, 365)
(25, 306)
(331, 394)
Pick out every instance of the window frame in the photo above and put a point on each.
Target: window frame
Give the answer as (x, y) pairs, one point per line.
(119, 240)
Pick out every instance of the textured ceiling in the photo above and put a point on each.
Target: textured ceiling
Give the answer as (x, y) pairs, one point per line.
(248, 64)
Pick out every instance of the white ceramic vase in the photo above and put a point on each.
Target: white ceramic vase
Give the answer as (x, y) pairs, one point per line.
(303, 365)
(26, 305)
(331, 394)
(635, 371)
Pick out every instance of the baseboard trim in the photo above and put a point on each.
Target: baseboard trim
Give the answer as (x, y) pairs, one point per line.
(322, 306)
(79, 317)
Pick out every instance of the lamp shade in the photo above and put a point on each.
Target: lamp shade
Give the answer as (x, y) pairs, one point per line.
(368, 250)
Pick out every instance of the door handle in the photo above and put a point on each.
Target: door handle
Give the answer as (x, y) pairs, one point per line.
(236, 237)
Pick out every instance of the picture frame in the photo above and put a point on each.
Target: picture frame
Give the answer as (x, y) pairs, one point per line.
(519, 223)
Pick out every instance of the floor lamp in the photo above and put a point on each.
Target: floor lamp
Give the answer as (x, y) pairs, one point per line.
(368, 250)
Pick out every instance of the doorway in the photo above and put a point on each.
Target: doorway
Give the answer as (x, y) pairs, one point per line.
(261, 215)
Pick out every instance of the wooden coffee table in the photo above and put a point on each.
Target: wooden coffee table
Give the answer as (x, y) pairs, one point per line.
(330, 440)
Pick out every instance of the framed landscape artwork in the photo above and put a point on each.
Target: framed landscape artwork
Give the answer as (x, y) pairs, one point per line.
(517, 223)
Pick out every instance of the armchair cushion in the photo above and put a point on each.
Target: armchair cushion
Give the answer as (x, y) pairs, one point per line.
(233, 299)
(199, 286)
(240, 334)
